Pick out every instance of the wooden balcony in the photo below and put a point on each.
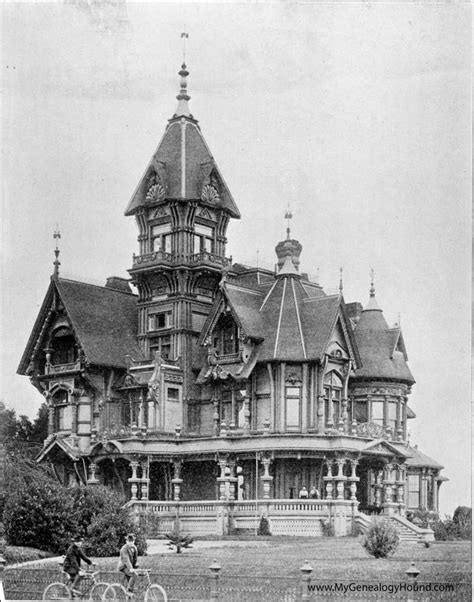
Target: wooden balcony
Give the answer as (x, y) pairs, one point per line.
(161, 258)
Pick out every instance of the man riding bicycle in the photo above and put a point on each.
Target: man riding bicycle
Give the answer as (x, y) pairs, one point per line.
(72, 563)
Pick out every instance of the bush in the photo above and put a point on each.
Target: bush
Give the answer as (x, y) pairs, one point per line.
(263, 527)
(458, 527)
(179, 540)
(41, 513)
(107, 532)
(382, 539)
(462, 518)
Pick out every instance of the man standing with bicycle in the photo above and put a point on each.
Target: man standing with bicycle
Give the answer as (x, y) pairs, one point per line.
(72, 562)
(128, 563)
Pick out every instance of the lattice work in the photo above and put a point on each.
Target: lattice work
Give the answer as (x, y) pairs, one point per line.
(295, 526)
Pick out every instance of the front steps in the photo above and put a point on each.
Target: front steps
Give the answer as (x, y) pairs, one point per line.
(408, 532)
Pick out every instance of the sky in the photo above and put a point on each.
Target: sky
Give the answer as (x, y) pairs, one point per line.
(355, 115)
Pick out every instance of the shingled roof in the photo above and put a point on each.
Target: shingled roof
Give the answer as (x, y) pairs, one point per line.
(183, 164)
(104, 321)
(381, 348)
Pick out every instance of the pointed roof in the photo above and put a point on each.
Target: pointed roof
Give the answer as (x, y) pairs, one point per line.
(381, 348)
(182, 166)
(104, 320)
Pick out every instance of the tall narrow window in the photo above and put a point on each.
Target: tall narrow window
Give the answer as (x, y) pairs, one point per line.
(293, 407)
(159, 320)
(413, 481)
(161, 238)
(203, 239)
(377, 412)
(332, 397)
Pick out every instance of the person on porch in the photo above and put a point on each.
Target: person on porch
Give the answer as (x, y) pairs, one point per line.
(303, 495)
(314, 493)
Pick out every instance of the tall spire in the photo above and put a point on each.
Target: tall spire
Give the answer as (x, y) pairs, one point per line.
(183, 96)
(372, 304)
(56, 262)
(288, 216)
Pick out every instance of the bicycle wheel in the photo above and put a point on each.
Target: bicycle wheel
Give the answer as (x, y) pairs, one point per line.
(115, 592)
(98, 590)
(155, 593)
(56, 591)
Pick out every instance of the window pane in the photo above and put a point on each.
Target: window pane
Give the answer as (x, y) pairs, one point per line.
(377, 412)
(173, 394)
(207, 245)
(292, 411)
(197, 244)
(413, 491)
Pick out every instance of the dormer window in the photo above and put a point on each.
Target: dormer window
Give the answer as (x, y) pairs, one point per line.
(161, 238)
(203, 239)
(63, 346)
(226, 336)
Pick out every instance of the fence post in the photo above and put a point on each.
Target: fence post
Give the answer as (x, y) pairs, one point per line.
(214, 568)
(2, 568)
(306, 571)
(412, 573)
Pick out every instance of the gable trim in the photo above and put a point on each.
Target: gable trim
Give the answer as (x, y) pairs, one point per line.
(279, 318)
(299, 319)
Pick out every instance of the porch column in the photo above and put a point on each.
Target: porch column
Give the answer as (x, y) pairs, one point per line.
(424, 492)
(133, 479)
(267, 478)
(145, 480)
(222, 479)
(340, 478)
(435, 493)
(388, 487)
(246, 414)
(177, 480)
(329, 479)
(232, 479)
(92, 479)
(353, 479)
(378, 488)
(400, 489)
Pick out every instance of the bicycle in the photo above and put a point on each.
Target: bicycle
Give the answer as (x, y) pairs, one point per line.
(89, 588)
(151, 593)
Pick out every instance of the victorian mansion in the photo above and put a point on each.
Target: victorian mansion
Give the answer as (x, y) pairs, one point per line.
(222, 392)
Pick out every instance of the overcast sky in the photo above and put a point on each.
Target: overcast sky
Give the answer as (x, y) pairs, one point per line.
(357, 115)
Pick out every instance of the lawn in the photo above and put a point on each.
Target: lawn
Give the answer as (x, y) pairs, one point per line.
(269, 569)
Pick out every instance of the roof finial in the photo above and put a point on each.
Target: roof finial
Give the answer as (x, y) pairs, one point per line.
(288, 216)
(317, 275)
(183, 96)
(56, 262)
(184, 37)
(372, 286)
(341, 286)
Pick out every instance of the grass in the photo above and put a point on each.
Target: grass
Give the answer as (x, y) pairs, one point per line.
(331, 558)
(277, 560)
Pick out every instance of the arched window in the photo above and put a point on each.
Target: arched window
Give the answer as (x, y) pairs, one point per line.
(63, 345)
(332, 397)
(226, 336)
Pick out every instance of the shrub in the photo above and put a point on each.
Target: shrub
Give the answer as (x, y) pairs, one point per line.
(327, 528)
(382, 539)
(39, 516)
(107, 531)
(264, 526)
(178, 540)
(462, 518)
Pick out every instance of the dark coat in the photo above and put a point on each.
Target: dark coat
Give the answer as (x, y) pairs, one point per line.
(72, 561)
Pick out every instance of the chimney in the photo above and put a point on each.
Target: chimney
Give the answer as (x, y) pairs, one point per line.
(118, 284)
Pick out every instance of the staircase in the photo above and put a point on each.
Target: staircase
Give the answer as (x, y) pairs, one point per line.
(408, 532)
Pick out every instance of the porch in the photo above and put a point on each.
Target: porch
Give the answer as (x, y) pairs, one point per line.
(226, 517)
